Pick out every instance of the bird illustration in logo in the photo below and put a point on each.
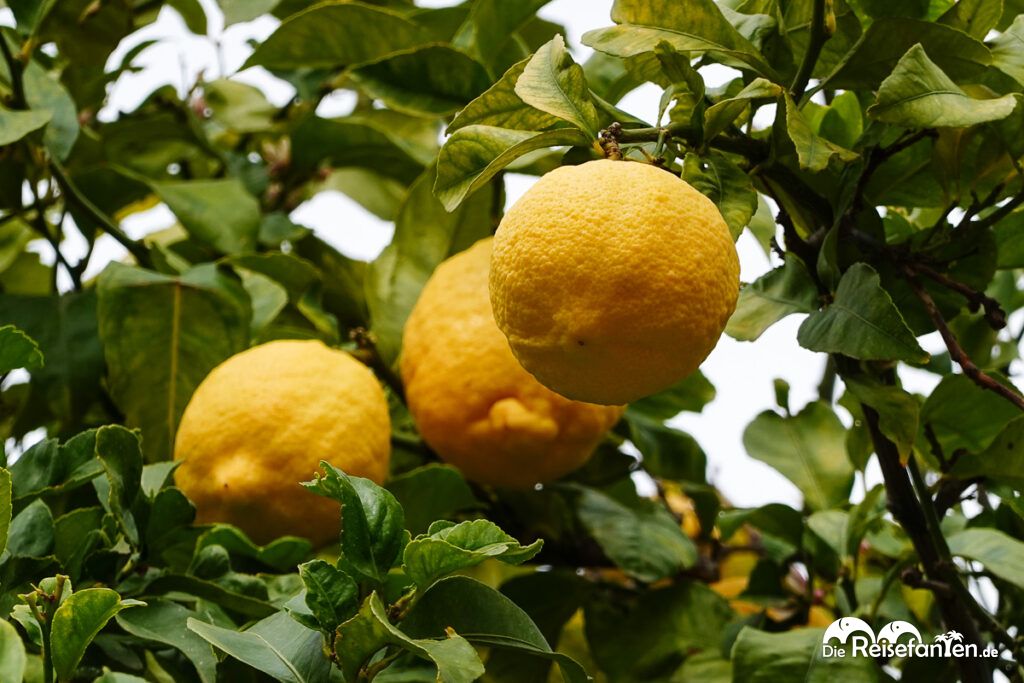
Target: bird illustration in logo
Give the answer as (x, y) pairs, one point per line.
(892, 632)
(843, 628)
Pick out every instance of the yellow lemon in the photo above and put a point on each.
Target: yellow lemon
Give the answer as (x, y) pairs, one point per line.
(473, 403)
(612, 280)
(262, 421)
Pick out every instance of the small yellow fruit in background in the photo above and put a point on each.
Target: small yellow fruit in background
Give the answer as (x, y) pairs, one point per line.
(612, 280)
(472, 401)
(261, 422)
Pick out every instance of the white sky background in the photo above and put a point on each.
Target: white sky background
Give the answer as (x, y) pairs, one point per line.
(742, 373)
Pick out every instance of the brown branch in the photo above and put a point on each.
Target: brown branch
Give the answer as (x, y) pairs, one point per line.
(1000, 213)
(16, 67)
(956, 352)
(994, 313)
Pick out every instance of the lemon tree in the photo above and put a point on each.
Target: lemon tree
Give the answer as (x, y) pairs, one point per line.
(233, 453)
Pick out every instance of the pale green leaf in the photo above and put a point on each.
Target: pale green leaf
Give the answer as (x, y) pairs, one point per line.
(77, 621)
(809, 449)
(501, 107)
(331, 35)
(697, 27)
(813, 151)
(1000, 553)
(721, 114)
(552, 82)
(474, 154)
(14, 125)
(718, 178)
(919, 95)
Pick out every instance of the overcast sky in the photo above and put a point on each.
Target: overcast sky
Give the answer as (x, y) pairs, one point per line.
(743, 373)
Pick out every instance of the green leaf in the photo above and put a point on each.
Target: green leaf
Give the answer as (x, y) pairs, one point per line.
(761, 657)
(699, 26)
(552, 82)
(31, 531)
(434, 80)
(719, 116)
(813, 151)
(165, 622)
(46, 94)
(223, 595)
(786, 290)
(634, 640)
(501, 107)
(963, 415)
(281, 554)
(1001, 554)
(162, 335)
(492, 25)
(18, 350)
(14, 125)
(886, 40)
(486, 617)
(77, 621)
(65, 328)
(690, 394)
(861, 322)
(1002, 461)
(1008, 50)
(919, 95)
(192, 13)
(5, 508)
(449, 547)
(646, 542)
(425, 235)
(331, 594)
(897, 411)
(667, 453)
(278, 646)
(220, 213)
(386, 142)
(370, 630)
(429, 493)
(717, 177)
(333, 35)
(59, 468)
(373, 524)
(12, 652)
(974, 17)
(237, 11)
(808, 448)
(475, 154)
(118, 449)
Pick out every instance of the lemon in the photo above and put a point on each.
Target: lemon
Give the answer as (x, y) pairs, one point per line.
(262, 421)
(472, 401)
(612, 280)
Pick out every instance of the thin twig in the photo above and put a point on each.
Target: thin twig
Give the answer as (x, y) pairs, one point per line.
(1000, 213)
(16, 67)
(994, 313)
(956, 352)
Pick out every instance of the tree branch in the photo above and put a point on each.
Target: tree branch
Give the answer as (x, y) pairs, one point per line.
(73, 194)
(907, 510)
(819, 35)
(956, 351)
(994, 313)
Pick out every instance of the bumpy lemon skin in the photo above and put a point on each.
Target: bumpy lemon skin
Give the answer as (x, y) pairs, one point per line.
(612, 280)
(472, 401)
(261, 422)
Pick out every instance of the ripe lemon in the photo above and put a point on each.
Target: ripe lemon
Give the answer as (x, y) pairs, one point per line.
(473, 403)
(612, 280)
(262, 421)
